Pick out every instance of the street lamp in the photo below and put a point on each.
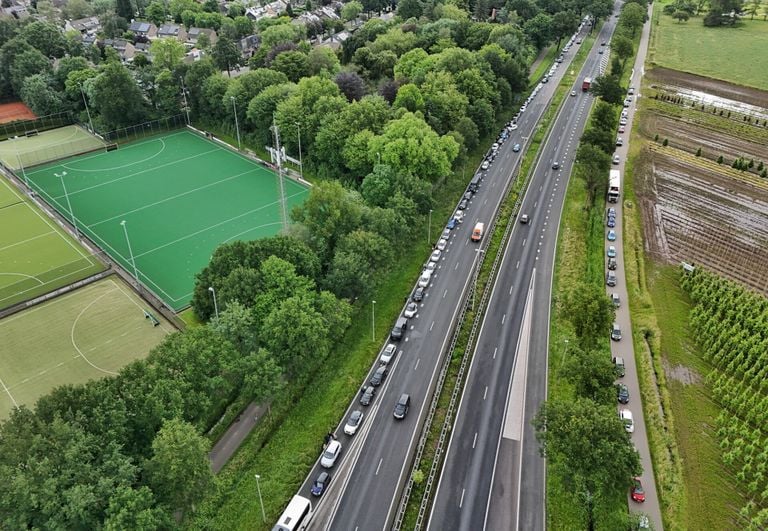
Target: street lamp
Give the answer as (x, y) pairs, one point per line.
(301, 166)
(69, 205)
(237, 125)
(215, 303)
(373, 321)
(477, 273)
(565, 352)
(184, 95)
(258, 487)
(429, 227)
(130, 253)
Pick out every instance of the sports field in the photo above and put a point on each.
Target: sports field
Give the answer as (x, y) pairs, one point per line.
(15, 111)
(86, 334)
(36, 255)
(54, 144)
(180, 196)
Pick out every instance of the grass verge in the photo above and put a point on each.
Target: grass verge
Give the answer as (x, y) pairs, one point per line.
(713, 52)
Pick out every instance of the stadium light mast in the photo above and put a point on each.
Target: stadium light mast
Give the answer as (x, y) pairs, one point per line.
(237, 125)
(301, 165)
(215, 302)
(87, 111)
(69, 205)
(279, 156)
(184, 95)
(130, 253)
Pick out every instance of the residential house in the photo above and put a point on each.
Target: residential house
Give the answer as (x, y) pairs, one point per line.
(123, 47)
(248, 45)
(194, 33)
(334, 41)
(271, 10)
(15, 8)
(143, 29)
(173, 31)
(84, 26)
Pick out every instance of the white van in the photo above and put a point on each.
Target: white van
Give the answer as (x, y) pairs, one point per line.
(477, 232)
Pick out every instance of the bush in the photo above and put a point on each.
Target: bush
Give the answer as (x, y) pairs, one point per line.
(720, 159)
(698, 152)
(665, 143)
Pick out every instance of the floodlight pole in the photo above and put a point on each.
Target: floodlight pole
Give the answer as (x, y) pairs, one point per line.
(130, 253)
(301, 166)
(23, 173)
(87, 111)
(215, 303)
(258, 488)
(184, 95)
(278, 151)
(69, 205)
(429, 228)
(237, 125)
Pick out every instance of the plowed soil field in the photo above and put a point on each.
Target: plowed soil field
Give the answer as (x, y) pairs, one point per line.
(695, 209)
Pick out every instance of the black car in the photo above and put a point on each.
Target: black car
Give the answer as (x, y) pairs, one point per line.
(378, 377)
(367, 394)
(622, 392)
(418, 295)
(555, 165)
(402, 406)
(321, 483)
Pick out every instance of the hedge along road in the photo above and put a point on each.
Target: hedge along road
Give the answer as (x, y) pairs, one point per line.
(625, 348)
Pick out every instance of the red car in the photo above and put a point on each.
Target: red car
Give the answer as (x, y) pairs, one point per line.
(638, 494)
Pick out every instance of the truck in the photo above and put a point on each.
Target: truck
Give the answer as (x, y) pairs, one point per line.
(614, 186)
(586, 84)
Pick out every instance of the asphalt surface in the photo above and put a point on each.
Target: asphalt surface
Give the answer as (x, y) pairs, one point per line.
(493, 476)
(625, 348)
(370, 474)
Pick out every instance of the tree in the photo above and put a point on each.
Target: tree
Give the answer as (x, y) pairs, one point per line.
(409, 9)
(592, 374)
(632, 17)
(588, 445)
(294, 64)
(608, 88)
(237, 324)
(351, 85)
(539, 30)
(45, 37)
(263, 378)
(225, 54)
(564, 23)
(351, 10)
(39, 96)
(262, 109)
(76, 9)
(179, 470)
(590, 312)
(622, 47)
(681, 16)
(167, 93)
(135, 508)
(323, 59)
(117, 98)
(125, 9)
(156, 12)
(167, 53)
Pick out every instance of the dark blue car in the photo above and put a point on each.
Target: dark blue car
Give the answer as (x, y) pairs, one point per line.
(320, 484)
(452, 224)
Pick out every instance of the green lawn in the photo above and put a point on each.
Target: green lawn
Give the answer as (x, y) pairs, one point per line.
(36, 255)
(86, 334)
(731, 54)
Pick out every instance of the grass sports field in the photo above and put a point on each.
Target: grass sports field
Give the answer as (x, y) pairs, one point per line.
(86, 334)
(724, 53)
(54, 144)
(36, 255)
(180, 196)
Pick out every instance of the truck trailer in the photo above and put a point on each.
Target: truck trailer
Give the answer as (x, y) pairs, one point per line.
(586, 84)
(614, 186)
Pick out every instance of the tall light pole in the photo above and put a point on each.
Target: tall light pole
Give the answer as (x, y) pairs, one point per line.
(373, 321)
(215, 303)
(184, 95)
(429, 228)
(87, 111)
(237, 125)
(258, 488)
(130, 253)
(565, 352)
(301, 166)
(477, 273)
(69, 205)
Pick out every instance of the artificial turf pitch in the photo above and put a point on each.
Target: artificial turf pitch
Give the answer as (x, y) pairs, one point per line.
(180, 196)
(86, 334)
(36, 255)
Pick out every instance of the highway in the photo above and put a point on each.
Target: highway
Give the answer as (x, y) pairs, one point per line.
(375, 462)
(493, 476)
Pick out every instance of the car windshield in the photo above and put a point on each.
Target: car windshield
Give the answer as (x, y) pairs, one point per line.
(355, 418)
(329, 453)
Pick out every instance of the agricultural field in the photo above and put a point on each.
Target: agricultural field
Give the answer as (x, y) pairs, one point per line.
(696, 207)
(86, 334)
(719, 53)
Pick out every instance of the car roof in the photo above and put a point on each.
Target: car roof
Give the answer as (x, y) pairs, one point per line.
(333, 446)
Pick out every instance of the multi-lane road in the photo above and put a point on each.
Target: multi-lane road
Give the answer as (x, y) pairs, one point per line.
(493, 477)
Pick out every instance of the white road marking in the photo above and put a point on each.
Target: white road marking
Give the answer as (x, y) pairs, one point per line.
(474, 441)
(485, 392)
(417, 364)
(378, 467)
(494, 352)
(461, 501)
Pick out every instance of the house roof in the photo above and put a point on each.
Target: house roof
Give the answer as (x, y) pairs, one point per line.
(169, 29)
(139, 26)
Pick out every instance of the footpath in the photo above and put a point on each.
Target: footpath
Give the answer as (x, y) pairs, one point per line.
(625, 347)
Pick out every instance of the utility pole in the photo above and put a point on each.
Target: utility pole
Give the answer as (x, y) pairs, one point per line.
(184, 95)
